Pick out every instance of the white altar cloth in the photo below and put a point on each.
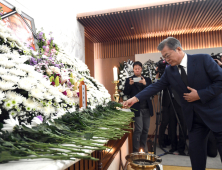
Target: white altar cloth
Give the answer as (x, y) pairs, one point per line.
(37, 164)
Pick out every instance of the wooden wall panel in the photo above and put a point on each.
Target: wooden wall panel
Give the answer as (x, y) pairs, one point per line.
(89, 55)
(124, 48)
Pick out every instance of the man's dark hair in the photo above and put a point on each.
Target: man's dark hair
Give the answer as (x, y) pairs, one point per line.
(137, 63)
(170, 42)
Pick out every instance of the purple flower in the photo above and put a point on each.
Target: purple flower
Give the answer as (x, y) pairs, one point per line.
(43, 47)
(33, 61)
(51, 39)
(57, 65)
(40, 117)
(31, 47)
(78, 94)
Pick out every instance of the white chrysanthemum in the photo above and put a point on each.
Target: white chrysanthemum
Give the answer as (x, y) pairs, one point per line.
(10, 124)
(41, 87)
(62, 96)
(12, 56)
(26, 56)
(48, 110)
(7, 64)
(3, 58)
(3, 70)
(48, 96)
(17, 72)
(9, 77)
(36, 121)
(25, 67)
(60, 112)
(0, 111)
(13, 113)
(15, 52)
(7, 105)
(36, 75)
(19, 60)
(7, 85)
(57, 99)
(54, 91)
(25, 84)
(37, 93)
(4, 49)
(30, 103)
(39, 107)
(2, 96)
(15, 96)
(73, 109)
(46, 83)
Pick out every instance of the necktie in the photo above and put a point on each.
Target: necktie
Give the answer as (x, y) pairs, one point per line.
(183, 75)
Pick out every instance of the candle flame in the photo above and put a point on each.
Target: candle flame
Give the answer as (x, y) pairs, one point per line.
(141, 150)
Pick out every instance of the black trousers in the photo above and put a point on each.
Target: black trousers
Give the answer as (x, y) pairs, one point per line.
(211, 145)
(198, 137)
(141, 128)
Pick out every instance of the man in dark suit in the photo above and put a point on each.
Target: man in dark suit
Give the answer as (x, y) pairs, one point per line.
(197, 79)
(143, 110)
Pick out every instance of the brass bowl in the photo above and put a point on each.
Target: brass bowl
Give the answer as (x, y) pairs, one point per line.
(143, 161)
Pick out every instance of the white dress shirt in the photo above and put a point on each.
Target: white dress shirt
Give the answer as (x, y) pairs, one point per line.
(183, 63)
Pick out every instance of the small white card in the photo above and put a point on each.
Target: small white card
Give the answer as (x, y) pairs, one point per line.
(136, 79)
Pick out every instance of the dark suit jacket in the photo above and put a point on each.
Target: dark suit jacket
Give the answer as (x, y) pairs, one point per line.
(205, 76)
(132, 90)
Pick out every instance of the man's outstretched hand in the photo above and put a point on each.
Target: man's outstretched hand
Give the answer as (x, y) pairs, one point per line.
(130, 102)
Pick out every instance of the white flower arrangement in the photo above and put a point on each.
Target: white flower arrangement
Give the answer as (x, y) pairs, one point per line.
(25, 93)
(39, 99)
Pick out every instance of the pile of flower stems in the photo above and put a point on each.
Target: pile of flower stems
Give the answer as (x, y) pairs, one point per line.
(74, 135)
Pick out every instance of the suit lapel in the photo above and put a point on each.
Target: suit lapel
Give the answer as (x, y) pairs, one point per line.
(191, 68)
(176, 75)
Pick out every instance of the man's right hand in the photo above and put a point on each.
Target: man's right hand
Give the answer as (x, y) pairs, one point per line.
(131, 81)
(130, 102)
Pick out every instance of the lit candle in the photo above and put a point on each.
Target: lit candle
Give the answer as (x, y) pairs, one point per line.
(141, 151)
(115, 75)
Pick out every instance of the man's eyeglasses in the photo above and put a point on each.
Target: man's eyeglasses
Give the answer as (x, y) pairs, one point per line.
(167, 56)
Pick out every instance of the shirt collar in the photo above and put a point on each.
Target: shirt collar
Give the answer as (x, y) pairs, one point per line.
(184, 61)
